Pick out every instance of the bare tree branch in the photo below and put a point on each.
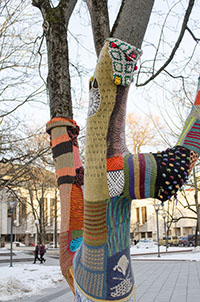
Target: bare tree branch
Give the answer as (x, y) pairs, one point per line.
(176, 46)
(193, 36)
(67, 7)
(43, 5)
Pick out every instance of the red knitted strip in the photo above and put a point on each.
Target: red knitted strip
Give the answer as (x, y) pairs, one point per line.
(76, 209)
(114, 163)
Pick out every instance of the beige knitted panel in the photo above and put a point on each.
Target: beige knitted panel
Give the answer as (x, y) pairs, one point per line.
(95, 177)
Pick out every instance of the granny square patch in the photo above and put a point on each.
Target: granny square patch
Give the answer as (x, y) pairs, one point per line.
(118, 67)
(124, 58)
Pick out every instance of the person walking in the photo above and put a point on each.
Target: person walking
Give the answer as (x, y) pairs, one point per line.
(36, 252)
(42, 252)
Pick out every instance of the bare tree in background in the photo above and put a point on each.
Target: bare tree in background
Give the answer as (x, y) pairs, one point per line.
(142, 132)
(18, 62)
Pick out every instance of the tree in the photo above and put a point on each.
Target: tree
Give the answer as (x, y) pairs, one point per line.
(39, 183)
(19, 150)
(18, 61)
(55, 25)
(142, 133)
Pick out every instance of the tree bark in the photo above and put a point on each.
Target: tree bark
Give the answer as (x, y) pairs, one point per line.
(58, 81)
(100, 22)
(132, 20)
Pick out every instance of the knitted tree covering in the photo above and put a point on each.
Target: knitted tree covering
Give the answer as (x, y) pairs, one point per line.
(113, 177)
(69, 173)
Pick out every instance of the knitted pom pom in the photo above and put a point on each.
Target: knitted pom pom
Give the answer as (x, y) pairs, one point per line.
(117, 80)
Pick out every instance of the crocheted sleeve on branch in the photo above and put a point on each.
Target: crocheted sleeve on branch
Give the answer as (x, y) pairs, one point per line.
(160, 175)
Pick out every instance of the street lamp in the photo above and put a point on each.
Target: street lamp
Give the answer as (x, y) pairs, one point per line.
(165, 229)
(138, 229)
(157, 206)
(175, 220)
(12, 205)
(15, 231)
(36, 234)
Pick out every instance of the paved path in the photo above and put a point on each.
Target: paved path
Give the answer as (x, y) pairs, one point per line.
(156, 281)
(167, 281)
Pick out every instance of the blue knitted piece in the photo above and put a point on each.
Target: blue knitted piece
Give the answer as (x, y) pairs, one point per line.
(75, 244)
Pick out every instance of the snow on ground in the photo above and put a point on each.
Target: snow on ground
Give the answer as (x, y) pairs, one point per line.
(183, 253)
(24, 280)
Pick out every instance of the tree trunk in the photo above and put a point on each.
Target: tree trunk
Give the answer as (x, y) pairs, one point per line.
(100, 22)
(59, 87)
(131, 23)
(55, 28)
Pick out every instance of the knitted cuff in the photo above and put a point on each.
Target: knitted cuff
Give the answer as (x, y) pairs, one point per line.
(63, 133)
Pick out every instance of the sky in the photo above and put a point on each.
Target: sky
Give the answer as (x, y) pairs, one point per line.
(155, 98)
(26, 280)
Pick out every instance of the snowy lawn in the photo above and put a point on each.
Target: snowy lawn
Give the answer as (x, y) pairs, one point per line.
(24, 280)
(152, 253)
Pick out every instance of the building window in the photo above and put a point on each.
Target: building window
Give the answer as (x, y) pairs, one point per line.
(143, 235)
(138, 214)
(144, 215)
(149, 234)
(14, 213)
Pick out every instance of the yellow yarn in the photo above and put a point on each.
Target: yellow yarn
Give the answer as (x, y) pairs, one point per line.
(117, 80)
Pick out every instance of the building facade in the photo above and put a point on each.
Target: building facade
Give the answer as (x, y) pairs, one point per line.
(178, 216)
(35, 213)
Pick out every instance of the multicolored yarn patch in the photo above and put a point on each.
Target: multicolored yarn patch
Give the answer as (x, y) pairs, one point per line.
(95, 229)
(140, 176)
(124, 58)
(158, 175)
(69, 171)
(190, 135)
(173, 169)
(118, 224)
(115, 175)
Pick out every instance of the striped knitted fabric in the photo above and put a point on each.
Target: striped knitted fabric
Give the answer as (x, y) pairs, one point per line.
(69, 173)
(190, 136)
(156, 175)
